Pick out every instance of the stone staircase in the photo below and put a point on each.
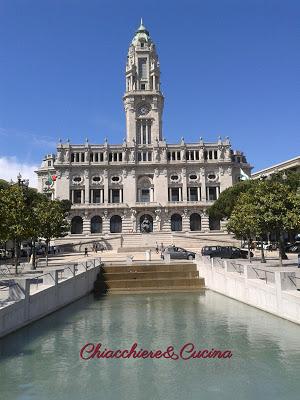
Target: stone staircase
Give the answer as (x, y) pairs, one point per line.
(139, 242)
(149, 277)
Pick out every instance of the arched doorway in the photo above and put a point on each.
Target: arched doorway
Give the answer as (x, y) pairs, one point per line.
(195, 222)
(214, 224)
(76, 225)
(146, 223)
(96, 224)
(116, 224)
(176, 222)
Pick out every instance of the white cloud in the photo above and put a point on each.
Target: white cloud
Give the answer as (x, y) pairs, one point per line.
(10, 167)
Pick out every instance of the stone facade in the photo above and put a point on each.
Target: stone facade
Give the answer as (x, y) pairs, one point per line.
(145, 181)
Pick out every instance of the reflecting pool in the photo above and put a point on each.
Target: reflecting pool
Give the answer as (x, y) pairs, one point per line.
(42, 360)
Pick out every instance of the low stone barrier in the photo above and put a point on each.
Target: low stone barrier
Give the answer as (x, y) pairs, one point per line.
(265, 288)
(32, 298)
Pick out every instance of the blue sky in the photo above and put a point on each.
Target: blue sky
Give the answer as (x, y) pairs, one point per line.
(229, 68)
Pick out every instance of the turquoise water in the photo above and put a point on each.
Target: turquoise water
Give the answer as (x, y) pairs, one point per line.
(42, 360)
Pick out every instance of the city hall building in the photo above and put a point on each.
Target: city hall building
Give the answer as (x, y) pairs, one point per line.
(143, 184)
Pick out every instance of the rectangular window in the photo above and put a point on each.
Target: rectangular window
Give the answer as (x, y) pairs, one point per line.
(211, 193)
(77, 196)
(96, 157)
(175, 194)
(115, 156)
(143, 86)
(91, 157)
(149, 133)
(187, 155)
(77, 157)
(142, 64)
(138, 129)
(110, 157)
(82, 157)
(145, 195)
(210, 155)
(144, 156)
(139, 156)
(144, 134)
(96, 196)
(216, 154)
(149, 156)
(193, 194)
(178, 155)
(101, 157)
(197, 155)
(115, 196)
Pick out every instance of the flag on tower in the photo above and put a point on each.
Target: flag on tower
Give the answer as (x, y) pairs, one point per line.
(243, 175)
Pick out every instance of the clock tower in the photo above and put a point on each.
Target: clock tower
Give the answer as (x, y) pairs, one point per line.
(143, 100)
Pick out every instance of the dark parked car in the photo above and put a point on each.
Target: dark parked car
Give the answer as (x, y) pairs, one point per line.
(225, 252)
(293, 248)
(178, 253)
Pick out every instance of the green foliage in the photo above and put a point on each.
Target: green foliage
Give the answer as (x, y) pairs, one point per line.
(15, 216)
(3, 184)
(51, 216)
(223, 207)
(243, 221)
(267, 207)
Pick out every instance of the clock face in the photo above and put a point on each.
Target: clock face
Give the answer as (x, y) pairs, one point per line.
(144, 109)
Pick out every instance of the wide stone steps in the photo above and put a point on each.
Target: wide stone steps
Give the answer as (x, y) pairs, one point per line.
(147, 278)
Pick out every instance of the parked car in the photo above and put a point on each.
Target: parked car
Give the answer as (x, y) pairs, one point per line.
(266, 246)
(293, 248)
(5, 254)
(178, 253)
(225, 252)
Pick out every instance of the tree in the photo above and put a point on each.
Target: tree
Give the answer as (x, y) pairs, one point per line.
(273, 207)
(243, 220)
(16, 217)
(52, 222)
(224, 205)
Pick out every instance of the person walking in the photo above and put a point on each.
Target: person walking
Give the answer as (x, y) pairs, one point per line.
(86, 252)
(156, 248)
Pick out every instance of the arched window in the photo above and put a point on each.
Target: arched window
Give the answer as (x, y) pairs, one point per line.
(146, 223)
(116, 224)
(195, 222)
(96, 224)
(76, 225)
(176, 222)
(214, 224)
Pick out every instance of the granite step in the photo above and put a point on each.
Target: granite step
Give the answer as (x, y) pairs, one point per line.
(157, 283)
(150, 275)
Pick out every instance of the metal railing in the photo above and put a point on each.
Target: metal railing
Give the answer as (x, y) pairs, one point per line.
(239, 268)
(292, 279)
(264, 276)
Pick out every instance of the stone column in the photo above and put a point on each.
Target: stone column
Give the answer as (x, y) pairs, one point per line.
(86, 224)
(184, 185)
(105, 186)
(204, 222)
(105, 222)
(185, 221)
(87, 186)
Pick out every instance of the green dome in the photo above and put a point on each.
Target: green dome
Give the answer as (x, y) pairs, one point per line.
(141, 35)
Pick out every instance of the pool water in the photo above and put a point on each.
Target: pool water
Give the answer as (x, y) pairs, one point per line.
(42, 361)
